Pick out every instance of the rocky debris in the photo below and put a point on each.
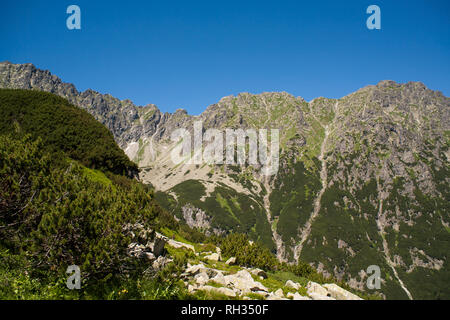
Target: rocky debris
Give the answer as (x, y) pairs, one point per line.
(136, 250)
(220, 279)
(262, 293)
(240, 284)
(317, 296)
(313, 288)
(195, 217)
(297, 296)
(178, 244)
(279, 293)
(157, 246)
(146, 243)
(273, 297)
(259, 273)
(161, 262)
(338, 293)
(149, 256)
(213, 257)
(244, 282)
(191, 288)
(195, 269)
(225, 291)
(293, 285)
(201, 278)
(231, 261)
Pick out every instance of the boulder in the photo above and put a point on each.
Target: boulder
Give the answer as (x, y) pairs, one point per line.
(316, 288)
(201, 278)
(177, 245)
(243, 281)
(157, 246)
(161, 262)
(136, 250)
(149, 256)
(213, 257)
(297, 296)
(225, 291)
(265, 294)
(212, 272)
(317, 296)
(259, 273)
(279, 293)
(231, 261)
(340, 294)
(292, 284)
(195, 269)
(273, 297)
(191, 288)
(220, 279)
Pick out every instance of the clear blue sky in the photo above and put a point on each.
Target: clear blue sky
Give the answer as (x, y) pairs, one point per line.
(189, 54)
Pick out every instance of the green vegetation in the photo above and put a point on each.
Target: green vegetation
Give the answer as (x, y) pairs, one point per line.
(231, 211)
(56, 212)
(292, 198)
(62, 127)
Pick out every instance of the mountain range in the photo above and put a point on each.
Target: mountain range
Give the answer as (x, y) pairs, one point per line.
(363, 180)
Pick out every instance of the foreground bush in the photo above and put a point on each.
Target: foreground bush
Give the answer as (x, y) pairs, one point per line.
(58, 216)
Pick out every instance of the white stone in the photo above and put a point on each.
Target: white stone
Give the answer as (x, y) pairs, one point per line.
(259, 273)
(316, 288)
(201, 278)
(340, 294)
(243, 281)
(213, 257)
(317, 296)
(226, 291)
(231, 261)
(191, 288)
(195, 269)
(292, 284)
(220, 279)
(177, 245)
(297, 296)
(279, 293)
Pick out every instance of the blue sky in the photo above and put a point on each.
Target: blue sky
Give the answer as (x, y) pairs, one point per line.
(189, 54)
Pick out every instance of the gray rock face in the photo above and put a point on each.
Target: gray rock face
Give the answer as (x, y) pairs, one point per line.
(195, 217)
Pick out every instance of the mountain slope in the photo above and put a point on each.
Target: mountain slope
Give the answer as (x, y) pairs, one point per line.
(363, 180)
(63, 127)
(55, 213)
